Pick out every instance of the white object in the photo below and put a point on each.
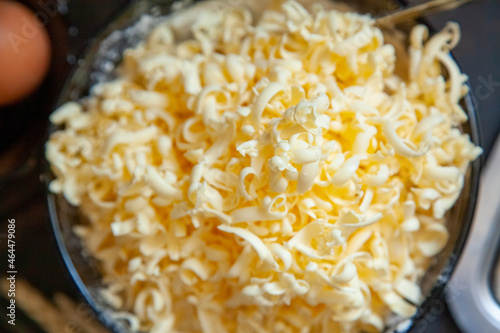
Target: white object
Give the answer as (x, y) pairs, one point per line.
(473, 305)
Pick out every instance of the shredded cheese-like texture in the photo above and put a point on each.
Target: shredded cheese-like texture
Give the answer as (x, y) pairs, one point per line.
(268, 177)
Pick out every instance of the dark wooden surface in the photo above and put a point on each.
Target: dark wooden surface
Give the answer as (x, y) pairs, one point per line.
(22, 194)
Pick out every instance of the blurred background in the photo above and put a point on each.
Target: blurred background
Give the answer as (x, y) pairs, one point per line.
(69, 25)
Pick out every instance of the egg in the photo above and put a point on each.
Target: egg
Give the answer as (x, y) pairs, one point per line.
(24, 52)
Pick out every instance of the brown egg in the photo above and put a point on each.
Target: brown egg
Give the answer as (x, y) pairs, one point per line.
(24, 52)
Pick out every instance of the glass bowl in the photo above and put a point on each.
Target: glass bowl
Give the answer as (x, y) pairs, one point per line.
(97, 65)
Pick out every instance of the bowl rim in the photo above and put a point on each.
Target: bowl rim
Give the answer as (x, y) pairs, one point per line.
(472, 127)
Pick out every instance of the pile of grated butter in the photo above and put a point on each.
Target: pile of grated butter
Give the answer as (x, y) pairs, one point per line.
(269, 177)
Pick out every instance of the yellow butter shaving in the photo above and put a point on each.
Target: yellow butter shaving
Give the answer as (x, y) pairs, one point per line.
(268, 177)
